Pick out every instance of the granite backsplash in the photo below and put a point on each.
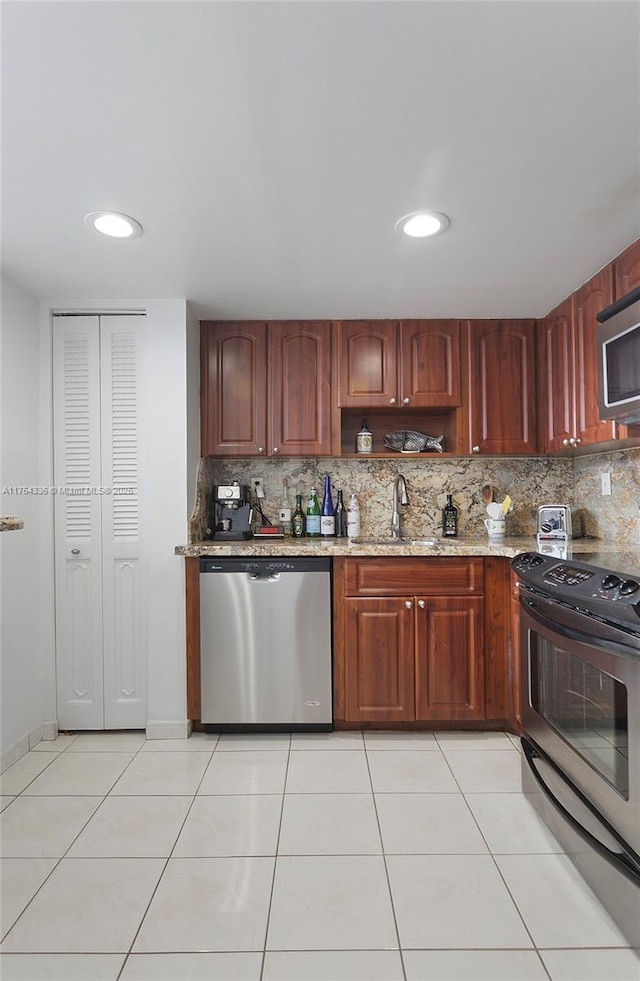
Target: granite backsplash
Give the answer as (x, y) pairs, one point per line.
(530, 481)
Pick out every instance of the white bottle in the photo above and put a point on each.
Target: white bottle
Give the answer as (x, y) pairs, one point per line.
(353, 517)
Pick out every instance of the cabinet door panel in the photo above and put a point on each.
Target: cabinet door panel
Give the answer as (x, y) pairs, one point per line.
(379, 670)
(590, 299)
(626, 270)
(449, 659)
(430, 363)
(367, 363)
(233, 389)
(502, 386)
(387, 576)
(557, 342)
(300, 361)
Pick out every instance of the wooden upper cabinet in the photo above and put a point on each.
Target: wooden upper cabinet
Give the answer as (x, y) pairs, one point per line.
(590, 299)
(367, 363)
(429, 363)
(626, 271)
(233, 391)
(300, 392)
(502, 386)
(557, 359)
(265, 388)
(412, 363)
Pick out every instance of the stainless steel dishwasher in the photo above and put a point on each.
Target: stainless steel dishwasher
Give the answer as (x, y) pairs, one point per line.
(265, 644)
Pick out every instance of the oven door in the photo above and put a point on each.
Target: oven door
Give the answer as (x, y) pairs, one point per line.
(580, 680)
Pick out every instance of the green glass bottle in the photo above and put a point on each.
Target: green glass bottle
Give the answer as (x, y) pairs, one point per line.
(298, 523)
(313, 514)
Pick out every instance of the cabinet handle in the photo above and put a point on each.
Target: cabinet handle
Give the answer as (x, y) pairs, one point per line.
(75, 551)
(261, 449)
(475, 449)
(408, 604)
(276, 449)
(421, 604)
(392, 401)
(406, 401)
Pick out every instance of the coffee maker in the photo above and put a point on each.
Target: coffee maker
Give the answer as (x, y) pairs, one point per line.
(231, 512)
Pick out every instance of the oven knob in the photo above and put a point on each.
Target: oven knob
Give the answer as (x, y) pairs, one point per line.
(628, 586)
(611, 581)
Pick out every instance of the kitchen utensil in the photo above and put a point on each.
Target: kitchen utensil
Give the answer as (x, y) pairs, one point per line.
(506, 504)
(494, 510)
(487, 494)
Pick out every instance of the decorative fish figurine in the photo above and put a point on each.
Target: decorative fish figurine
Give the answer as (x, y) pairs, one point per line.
(409, 441)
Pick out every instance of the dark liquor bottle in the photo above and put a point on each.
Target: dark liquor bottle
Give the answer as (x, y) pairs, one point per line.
(449, 519)
(313, 515)
(341, 516)
(328, 516)
(297, 519)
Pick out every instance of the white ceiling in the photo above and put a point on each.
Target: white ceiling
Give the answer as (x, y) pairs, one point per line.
(269, 147)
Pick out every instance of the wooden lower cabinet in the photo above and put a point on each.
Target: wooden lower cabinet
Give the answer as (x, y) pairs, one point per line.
(412, 655)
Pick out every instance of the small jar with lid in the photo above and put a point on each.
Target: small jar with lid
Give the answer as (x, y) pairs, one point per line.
(364, 439)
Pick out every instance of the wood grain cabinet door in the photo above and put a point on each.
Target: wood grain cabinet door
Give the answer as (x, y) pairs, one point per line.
(379, 660)
(233, 390)
(449, 659)
(591, 298)
(626, 271)
(429, 363)
(502, 386)
(367, 366)
(300, 388)
(557, 357)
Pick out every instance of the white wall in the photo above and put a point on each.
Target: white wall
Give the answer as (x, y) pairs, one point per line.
(22, 641)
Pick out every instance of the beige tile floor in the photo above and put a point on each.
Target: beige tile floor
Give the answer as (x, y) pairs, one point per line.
(328, 857)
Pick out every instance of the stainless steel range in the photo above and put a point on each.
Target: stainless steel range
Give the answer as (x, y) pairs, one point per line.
(580, 704)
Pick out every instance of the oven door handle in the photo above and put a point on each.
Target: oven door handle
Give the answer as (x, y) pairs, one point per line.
(626, 860)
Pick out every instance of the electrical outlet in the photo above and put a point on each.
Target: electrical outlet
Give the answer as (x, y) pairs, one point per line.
(257, 486)
(605, 484)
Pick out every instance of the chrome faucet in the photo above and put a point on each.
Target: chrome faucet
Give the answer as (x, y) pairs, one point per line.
(399, 496)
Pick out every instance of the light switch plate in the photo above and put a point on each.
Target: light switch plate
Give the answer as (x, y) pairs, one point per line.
(605, 484)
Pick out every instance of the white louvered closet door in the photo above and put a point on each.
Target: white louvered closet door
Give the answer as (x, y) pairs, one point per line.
(101, 676)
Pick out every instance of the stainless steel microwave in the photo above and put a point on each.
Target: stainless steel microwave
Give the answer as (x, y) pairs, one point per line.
(618, 340)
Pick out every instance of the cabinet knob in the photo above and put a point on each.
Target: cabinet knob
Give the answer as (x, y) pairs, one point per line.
(406, 401)
(566, 442)
(421, 604)
(261, 449)
(276, 449)
(475, 449)
(75, 551)
(392, 401)
(408, 604)
(576, 441)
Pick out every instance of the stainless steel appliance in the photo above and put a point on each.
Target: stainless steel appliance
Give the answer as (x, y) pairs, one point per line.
(580, 706)
(265, 629)
(231, 512)
(557, 521)
(618, 340)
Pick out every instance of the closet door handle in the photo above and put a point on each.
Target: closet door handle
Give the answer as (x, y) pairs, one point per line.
(75, 551)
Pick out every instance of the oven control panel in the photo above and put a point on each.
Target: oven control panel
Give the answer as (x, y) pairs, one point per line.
(567, 575)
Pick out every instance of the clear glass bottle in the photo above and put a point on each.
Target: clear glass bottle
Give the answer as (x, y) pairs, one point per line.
(353, 517)
(284, 515)
(341, 516)
(298, 523)
(364, 439)
(450, 519)
(328, 515)
(313, 514)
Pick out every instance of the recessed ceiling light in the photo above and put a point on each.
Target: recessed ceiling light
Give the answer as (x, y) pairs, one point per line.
(420, 224)
(114, 224)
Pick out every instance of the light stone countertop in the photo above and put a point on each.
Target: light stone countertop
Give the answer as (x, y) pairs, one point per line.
(507, 547)
(10, 523)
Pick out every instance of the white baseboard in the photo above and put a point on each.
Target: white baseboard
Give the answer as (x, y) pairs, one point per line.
(169, 730)
(22, 747)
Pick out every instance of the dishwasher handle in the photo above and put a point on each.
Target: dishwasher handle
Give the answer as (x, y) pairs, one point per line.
(256, 577)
